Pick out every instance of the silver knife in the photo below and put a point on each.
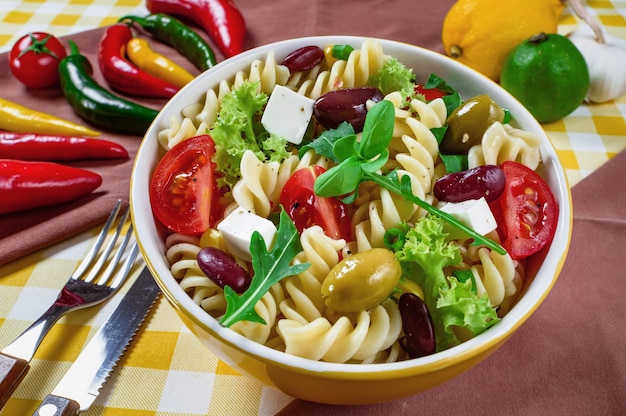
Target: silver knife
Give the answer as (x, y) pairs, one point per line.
(80, 386)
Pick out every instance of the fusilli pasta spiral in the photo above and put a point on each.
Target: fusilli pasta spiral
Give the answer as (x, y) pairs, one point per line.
(181, 254)
(305, 302)
(373, 331)
(414, 152)
(502, 142)
(353, 72)
(198, 116)
(261, 183)
(496, 275)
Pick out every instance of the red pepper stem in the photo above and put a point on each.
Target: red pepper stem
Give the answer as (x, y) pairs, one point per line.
(73, 48)
(130, 19)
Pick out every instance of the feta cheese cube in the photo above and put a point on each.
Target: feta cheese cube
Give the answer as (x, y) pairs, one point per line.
(237, 229)
(474, 213)
(287, 114)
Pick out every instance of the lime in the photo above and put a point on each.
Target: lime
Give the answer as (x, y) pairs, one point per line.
(548, 74)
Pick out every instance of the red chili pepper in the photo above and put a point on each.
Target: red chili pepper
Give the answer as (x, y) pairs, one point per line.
(26, 185)
(221, 20)
(31, 146)
(123, 75)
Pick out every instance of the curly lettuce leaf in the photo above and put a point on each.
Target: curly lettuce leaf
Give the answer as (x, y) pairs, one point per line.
(238, 128)
(461, 307)
(424, 251)
(426, 245)
(394, 76)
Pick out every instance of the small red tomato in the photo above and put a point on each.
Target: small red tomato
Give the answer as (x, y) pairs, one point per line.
(34, 60)
(429, 93)
(306, 209)
(526, 212)
(183, 191)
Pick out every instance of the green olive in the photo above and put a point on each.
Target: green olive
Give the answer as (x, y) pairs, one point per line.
(361, 281)
(468, 123)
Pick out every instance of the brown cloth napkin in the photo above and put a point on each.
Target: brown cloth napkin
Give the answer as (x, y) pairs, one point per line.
(408, 21)
(24, 232)
(569, 358)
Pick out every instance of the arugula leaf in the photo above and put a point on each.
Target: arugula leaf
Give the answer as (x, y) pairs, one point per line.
(454, 163)
(346, 147)
(377, 130)
(339, 180)
(436, 82)
(452, 100)
(343, 180)
(270, 267)
(439, 132)
(324, 144)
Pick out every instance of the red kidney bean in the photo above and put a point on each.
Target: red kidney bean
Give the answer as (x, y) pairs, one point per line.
(482, 181)
(304, 58)
(417, 325)
(335, 107)
(222, 269)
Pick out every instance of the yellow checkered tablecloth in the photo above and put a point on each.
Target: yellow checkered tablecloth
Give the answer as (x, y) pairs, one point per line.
(167, 371)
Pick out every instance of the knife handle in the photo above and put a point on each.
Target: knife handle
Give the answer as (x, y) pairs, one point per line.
(57, 406)
(12, 371)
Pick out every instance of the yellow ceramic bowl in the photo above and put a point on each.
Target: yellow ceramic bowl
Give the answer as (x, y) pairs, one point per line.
(348, 383)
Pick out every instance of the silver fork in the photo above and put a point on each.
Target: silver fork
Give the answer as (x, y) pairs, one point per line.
(90, 284)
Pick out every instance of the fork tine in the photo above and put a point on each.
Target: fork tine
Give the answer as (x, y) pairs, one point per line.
(123, 273)
(108, 248)
(108, 273)
(93, 250)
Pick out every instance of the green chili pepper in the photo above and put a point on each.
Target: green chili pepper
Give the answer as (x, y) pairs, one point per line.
(181, 37)
(96, 104)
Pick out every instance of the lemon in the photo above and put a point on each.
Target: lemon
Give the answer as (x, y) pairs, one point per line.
(548, 74)
(481, 33)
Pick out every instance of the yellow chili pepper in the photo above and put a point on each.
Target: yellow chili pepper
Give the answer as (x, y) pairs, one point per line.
(141, 54)
(328, 55)
(409, 286)
(17, 118)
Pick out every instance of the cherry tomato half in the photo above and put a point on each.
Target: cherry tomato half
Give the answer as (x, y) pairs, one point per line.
(305, 208)
(183, 191)
(429, 93)
(34, 59)
(526, 212)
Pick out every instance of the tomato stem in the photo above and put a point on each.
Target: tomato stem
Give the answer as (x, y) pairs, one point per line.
(38, 46)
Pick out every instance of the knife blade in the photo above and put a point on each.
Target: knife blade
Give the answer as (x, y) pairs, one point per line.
(80, 386)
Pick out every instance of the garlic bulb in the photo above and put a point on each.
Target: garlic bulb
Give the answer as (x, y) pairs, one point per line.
(605, 56)
(606, 62)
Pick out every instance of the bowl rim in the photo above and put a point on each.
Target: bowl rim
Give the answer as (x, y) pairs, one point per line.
(535, 294)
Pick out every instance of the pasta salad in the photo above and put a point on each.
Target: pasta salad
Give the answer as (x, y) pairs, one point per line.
(333, 207)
